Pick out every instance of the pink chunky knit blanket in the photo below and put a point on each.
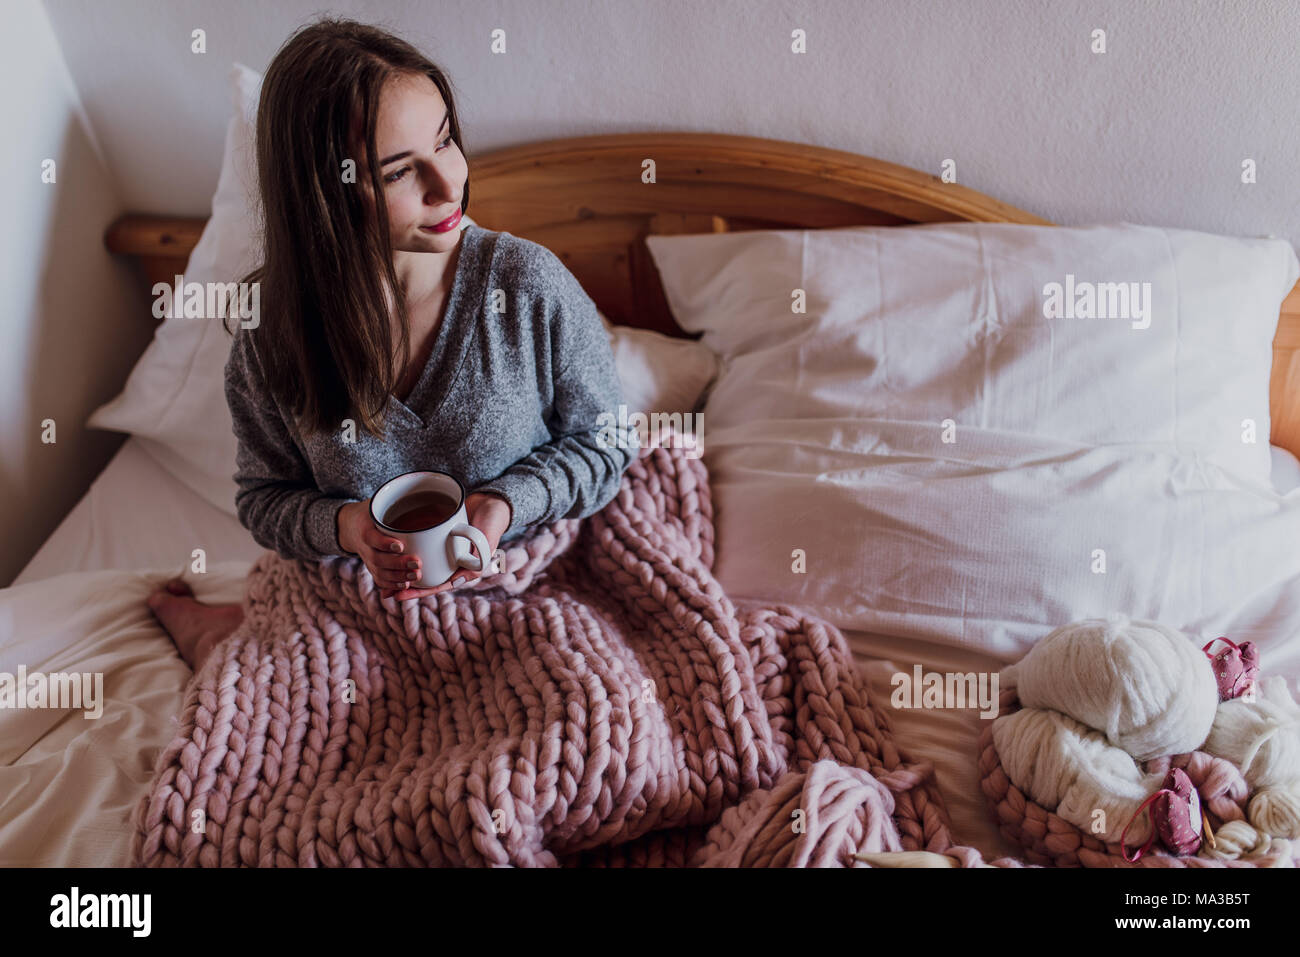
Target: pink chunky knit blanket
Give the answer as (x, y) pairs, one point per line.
(600, 701)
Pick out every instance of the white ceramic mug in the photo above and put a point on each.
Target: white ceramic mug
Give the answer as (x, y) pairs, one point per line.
(444, 548)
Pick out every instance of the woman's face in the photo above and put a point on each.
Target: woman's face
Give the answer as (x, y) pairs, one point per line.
(422, 168)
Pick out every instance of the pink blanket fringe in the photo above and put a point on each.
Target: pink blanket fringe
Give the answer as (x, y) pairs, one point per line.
(600, 702)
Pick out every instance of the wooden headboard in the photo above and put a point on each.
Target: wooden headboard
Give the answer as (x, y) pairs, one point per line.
(587, 200)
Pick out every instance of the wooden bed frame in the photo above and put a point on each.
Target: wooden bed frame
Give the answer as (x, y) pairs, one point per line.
(585, 199)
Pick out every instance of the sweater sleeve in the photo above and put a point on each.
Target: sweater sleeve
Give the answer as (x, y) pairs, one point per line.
(579, 471)
(277, 499)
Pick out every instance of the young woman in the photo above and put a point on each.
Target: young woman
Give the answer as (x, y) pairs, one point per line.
(395, 335)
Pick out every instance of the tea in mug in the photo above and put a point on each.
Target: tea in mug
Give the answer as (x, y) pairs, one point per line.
(420, 510)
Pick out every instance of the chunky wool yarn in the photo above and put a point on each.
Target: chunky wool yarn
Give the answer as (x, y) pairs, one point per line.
(816, 819)
(1073, 769)
(1050, 840)
(1237, 840)
(1146, 686)
(1262, 737)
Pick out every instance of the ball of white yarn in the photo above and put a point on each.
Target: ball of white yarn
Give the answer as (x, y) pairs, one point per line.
(1262, 737)
(1276, 810)
(1146, 686)
(1237, 839)
(1072, 770)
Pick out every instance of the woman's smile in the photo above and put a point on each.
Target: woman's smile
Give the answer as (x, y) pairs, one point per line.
(447, 224)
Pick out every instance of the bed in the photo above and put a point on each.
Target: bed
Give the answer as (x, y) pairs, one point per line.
(71, 788)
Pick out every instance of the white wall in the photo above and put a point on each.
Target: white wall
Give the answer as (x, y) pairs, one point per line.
(1153, 131)
(71, 319)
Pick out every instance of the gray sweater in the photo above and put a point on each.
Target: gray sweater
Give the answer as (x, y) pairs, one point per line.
(508, 402)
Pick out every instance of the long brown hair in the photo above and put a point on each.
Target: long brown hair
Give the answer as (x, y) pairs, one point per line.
(329, 291)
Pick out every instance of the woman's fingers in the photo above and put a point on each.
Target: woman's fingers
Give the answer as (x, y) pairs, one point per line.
(397, 564)
(390, 569)
(385, 579)
(405, 594)
(399, 579)
(408, 593)
(382, 542)
(393, 576)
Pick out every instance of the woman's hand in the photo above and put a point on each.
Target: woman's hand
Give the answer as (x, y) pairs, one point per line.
(381, 553)
(394, 571)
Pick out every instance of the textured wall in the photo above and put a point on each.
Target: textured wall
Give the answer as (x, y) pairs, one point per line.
(1153, 131)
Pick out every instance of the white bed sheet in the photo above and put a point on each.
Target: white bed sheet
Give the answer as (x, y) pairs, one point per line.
(136, 514)
(71, 784)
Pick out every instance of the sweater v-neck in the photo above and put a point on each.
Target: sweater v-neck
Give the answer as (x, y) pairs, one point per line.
(455, 333)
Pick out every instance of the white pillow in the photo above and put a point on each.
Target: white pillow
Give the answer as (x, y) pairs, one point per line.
(174, 400)
(945, 321)
(1074, 442)
(1286, 470)
(661, 373)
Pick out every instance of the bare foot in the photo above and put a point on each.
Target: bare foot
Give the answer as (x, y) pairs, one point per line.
(196, 628)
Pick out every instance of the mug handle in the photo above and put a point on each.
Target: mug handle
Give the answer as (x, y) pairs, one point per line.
(476, 539)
